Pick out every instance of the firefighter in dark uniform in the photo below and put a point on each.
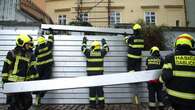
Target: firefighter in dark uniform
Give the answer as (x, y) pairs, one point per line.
(155, 61)
(33, 75)
(178, 75)
(16, 68)
(44, 56)
(135, 46)
(95, 59)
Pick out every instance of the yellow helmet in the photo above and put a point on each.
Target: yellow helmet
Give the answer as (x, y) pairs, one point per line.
(137, 26)
(41, 40)
(185, 35)
(95, 45)
(153, 49)
(31, 42)
(22, 39)
(183, 41)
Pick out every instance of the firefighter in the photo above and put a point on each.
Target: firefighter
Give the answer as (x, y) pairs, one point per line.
(44, 56)
(95, 59)
(155, 61)
(16, 68)
(178, 75)
(33, 75)
(135, 46)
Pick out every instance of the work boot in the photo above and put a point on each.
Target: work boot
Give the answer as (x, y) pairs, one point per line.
(152, 108)
(92, 107)
(37, 100)
(161, 108)
(101, 104)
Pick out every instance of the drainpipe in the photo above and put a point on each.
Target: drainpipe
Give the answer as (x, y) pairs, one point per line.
(109, 11)
(185, 13)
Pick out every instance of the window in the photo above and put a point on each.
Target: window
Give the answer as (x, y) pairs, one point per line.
(114, 18)
(150, 17)
(84, 17)
(62, 19)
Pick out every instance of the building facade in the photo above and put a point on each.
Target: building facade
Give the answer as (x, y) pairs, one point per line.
(22, 12)
(109, 12)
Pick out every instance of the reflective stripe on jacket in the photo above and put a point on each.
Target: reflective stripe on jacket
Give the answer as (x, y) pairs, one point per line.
(95, 59)
(135, 46)
(44, 52)
(16, 65)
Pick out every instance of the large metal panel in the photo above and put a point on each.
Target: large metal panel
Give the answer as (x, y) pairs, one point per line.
(82, 59)
(7, 10)
(67, 55)
(87, 29)
(89, 37)
(79, 82)
(78, 43)
(79, 53)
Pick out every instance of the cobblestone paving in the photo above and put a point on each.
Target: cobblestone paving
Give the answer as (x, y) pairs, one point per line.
(86, 107)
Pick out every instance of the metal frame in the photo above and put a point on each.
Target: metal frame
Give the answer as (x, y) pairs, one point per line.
(87, 29)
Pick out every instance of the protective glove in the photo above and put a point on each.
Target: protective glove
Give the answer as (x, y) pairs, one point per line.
(50, 31)
(103, 41)
(155, 81)
(125, 34)
(51, 37)
(3, 82)
(85, 40)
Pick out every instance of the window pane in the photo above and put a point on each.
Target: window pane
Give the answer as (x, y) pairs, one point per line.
(147, 13)
(150, 17)
(114, 17)
(152, 13)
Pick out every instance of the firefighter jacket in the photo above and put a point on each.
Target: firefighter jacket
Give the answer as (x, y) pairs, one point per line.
(32, 73)
(95, 59)
(43, 52)
(179, 77)
(18, 66)
(135, 46)
(155, 61)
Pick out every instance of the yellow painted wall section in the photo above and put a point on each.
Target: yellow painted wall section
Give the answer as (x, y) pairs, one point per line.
(40, 3)
(166, 11)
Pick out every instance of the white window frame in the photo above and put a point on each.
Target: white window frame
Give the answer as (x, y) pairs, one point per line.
(62, 19)
(84, 17)
(115, 17)
(150, 15)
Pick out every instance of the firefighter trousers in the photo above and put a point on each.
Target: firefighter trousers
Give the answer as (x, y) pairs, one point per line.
(134, 64)
(96, 95)
(182, 107)
(45, 72)
(19, 101)
(155, 92)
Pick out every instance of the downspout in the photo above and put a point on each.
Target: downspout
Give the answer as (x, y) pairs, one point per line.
(185, 13)
(109, 11)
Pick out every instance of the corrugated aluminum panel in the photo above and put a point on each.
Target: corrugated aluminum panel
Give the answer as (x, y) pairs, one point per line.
(71, 63)
(82, 82)
(7, 10)
(87, 29)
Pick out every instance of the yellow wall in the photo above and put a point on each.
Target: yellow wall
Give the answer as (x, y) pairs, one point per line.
(40, 3)
(167, 11)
